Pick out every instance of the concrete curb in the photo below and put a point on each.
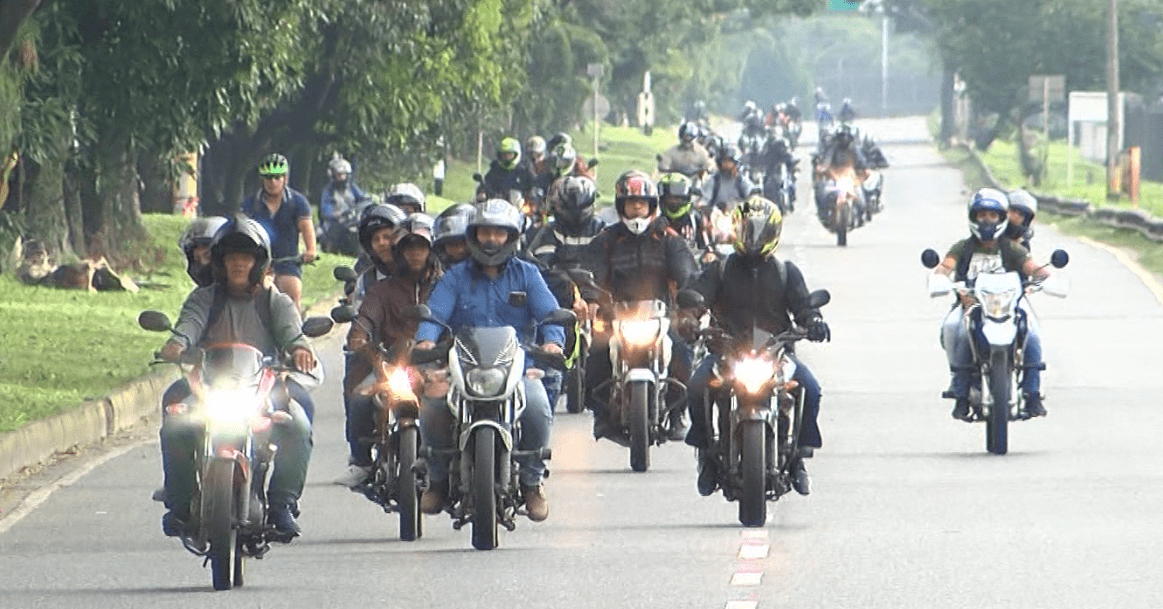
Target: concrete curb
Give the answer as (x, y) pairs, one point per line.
(94, 421)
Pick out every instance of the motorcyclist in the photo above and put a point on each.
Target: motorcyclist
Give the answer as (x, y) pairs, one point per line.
(847, 112)
(285, 214)
(538, 155)
(636, 259)
(506, 172)
(984, 250)
(449, 233)
(777, 152)
(408, 197)
(688, 157)
(752, 289)
(195, 244)
(417, 269)
(237, 308)
(820, 96)
(1023, 208)
(792, 109)
(339, 196)
(729, 184)
(675, 196)
(476, 295)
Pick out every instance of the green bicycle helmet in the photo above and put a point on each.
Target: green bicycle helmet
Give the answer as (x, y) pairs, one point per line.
(273, 164)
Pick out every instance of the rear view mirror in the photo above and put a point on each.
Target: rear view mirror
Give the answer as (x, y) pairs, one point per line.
(418, 312)
(343, 315)
(317, 326)
(819, 298)
(930, 259)
(690, 299)
(1059, 258)
(154, 321)
(478, 178)
(581, 276)
(518, 299)
(345, 274)
(592, 163)
(560, 317)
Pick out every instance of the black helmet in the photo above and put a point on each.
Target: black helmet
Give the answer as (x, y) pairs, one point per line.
(499, 213)
(572, 201)
(451, 224)
(241, 235)
(200, 233)
(376, 217)
(729, 151)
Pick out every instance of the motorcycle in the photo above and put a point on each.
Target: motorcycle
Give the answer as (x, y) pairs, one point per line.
(580, 336)
(998, 327)
(777, 187)
(839, 207)
(486, 395)
(395, 484)
(341, 234)
(231, 385)
(871, 187)
(758, 411)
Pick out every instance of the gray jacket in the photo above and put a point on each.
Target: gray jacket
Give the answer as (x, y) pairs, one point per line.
(241, 322)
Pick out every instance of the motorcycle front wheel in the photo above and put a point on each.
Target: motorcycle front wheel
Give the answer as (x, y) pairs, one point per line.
(639, 414)
(484, 495)
(842, 222)
(753, 500)
(997, 424)
(575, 387)
(218, 493)
(411, 524)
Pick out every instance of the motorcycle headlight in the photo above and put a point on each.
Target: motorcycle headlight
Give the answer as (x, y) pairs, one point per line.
(229, 407)
(485, 382)
(639, 333)
(997, 305)
(753, 373)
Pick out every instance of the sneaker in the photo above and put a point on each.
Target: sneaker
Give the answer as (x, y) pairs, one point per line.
(800, 480)
(706, 482)
(536, 504)
(1034, 407)
(281, 518)
(354, 476)
(961, 410)
(432, 501)
(176, 523)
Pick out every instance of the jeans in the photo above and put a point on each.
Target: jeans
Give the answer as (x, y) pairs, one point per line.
(699, 434)
(955, 339)
(599, 368)
(180, 440)
(360, 423)
(552, 381)
(436, 426)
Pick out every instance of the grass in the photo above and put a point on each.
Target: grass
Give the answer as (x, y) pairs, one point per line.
(60, 348)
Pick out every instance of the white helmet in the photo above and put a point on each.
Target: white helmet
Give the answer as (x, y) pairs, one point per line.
(337, 166)
(406, 196)
(1025, 203)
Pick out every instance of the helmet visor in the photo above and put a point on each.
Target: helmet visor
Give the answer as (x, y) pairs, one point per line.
(756, 234)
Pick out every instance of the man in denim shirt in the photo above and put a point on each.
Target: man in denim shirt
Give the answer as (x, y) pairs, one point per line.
(475, 293)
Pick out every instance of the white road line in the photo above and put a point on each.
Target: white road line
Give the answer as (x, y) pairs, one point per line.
(35, 499)
(742, 604)
(747, 578)
(754, 551)
(1132, 265)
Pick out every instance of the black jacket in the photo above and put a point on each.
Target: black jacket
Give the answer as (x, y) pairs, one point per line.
(640, 267)
(499, 181)
(553, 249)
(767, 293)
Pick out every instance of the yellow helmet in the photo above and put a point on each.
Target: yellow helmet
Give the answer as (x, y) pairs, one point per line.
(757, 225)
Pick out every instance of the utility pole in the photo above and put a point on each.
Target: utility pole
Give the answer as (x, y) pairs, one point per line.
(884, 65)
(1112, 100)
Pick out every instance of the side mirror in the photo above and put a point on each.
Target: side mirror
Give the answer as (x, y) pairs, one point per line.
(518, 299)
(317, 326)
(418, 312)
(343, 315)
(819, 298)
(1059, 259)
(690, 299)
(930, 259)
(696, 192)
(154, 321)
(560, 317)
(478, 178)
(345, 274)
(581, 276)
(593, 163)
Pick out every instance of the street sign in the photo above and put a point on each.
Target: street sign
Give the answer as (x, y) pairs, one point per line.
(1053, 85)
(595, 70)
(603, 106)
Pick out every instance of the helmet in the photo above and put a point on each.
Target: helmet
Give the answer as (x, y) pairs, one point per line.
(729, 151)
(536, 146)
(757, 225)
(509, 146)
(405, 195)
(675, 185)
(376, 217)
(793, 102)
(988, 199)
(499, 213)
(564, 157)
(1024, 202)
(635, 185)
(749, 107)
(337, 166)
(416, 228)
(572, 201)
(452, 223)
(241, 235)
(200, 233)
(273, 164)
(559, 139)
(688, 131)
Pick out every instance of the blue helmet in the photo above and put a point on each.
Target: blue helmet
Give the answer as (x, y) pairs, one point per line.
(988, 199)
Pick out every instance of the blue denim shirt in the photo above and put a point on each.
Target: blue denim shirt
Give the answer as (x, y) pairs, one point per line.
(464, 296)
(283, 228)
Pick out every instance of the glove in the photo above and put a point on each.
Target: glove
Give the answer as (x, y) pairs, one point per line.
(818, 331)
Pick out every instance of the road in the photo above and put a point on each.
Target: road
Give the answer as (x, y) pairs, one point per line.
(907, 508)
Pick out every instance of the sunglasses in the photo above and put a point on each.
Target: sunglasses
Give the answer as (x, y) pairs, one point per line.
(272, 176)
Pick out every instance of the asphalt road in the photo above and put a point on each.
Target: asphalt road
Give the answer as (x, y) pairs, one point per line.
(907, 509)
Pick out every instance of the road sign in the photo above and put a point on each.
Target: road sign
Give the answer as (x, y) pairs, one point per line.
(595, 70)
(603, 106)
(1054, 85)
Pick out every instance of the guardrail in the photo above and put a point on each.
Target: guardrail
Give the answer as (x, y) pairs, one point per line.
(1146, 224)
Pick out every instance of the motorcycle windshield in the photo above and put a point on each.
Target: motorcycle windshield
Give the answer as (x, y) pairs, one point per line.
(487, 347)
(231, 366)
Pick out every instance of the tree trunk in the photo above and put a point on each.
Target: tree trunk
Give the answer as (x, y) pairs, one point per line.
(157, 195)
(118, 226)
(948, 114)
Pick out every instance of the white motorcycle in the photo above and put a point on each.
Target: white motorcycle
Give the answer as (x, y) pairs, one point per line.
(998, 324)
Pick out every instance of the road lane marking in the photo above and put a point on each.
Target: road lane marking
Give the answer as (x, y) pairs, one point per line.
(742, 604)
(745, 578)
(1132, 265)
(42, 494)
(754, 551)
